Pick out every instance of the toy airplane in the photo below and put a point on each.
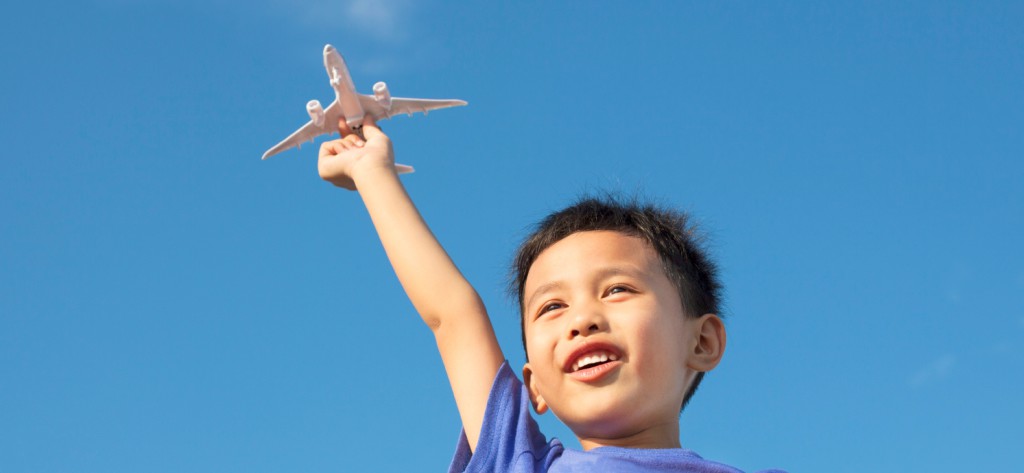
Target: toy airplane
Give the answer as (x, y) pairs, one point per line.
(353, 107)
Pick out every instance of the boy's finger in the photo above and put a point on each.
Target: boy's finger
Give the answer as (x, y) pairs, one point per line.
(329, 148)
(356, 139)
(343, 127)
(370, 128)
(352, 140)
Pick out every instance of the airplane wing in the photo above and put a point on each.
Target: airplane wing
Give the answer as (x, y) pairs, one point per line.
(309, 131)
(401, 105)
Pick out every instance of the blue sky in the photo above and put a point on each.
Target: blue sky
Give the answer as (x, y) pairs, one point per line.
(169, 302)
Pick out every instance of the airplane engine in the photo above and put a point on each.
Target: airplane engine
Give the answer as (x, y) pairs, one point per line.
(381, 94)
(316, 112)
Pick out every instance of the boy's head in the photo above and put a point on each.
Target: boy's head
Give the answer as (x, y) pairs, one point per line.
(624, 290)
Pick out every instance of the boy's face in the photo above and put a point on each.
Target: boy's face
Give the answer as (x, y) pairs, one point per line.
(606, 335)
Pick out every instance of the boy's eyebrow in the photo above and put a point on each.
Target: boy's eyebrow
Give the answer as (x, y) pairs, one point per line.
(602, 274)
(544, 288)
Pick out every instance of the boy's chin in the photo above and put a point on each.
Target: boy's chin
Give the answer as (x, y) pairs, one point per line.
(622, 424)
(606, 423)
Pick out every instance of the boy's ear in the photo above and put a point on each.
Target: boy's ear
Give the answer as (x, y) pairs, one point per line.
(531, 386)
(710, 343)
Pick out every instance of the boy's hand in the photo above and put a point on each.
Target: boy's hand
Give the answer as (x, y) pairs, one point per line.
(342, 160)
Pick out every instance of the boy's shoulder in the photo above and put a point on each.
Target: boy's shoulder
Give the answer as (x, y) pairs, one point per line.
(640, 460)
(511, 441)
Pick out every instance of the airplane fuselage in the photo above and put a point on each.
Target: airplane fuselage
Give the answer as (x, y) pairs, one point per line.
(344, 88)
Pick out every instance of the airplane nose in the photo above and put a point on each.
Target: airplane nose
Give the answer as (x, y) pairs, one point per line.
(328, 49)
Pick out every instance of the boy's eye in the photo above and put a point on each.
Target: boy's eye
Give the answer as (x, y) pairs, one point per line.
(550, 307)
(617, 290)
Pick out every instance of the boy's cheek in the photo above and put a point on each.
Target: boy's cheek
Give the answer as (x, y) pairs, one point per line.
(540, 353)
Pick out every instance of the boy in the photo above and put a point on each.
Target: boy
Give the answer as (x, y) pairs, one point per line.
(617, 316)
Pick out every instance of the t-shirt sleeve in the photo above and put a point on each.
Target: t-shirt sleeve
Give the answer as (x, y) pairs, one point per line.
(509, 437)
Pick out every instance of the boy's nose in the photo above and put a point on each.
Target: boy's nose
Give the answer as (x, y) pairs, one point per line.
(586, 322)
(592, 328)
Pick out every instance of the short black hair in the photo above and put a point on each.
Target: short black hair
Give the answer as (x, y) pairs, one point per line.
(672, 235)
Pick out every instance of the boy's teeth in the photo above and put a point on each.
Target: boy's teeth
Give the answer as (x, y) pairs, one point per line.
(593, 358)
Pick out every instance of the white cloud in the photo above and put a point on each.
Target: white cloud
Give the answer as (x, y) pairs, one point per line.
(384, 20)
(934, 371)
(378, 17)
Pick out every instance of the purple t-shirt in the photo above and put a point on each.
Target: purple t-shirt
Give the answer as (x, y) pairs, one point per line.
(511, 442)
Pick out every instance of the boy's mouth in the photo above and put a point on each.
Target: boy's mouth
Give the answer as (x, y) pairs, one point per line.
(589, 356)
(593, 359)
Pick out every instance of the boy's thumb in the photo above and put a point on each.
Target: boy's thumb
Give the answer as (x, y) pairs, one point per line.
(370, 128)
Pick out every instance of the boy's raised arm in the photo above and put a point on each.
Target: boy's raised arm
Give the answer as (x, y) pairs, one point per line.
(444, 299)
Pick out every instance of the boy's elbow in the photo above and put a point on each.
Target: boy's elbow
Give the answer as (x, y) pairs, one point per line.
(470, 308)
(433, 323)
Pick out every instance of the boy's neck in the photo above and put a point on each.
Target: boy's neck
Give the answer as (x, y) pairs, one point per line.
(659, 436)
